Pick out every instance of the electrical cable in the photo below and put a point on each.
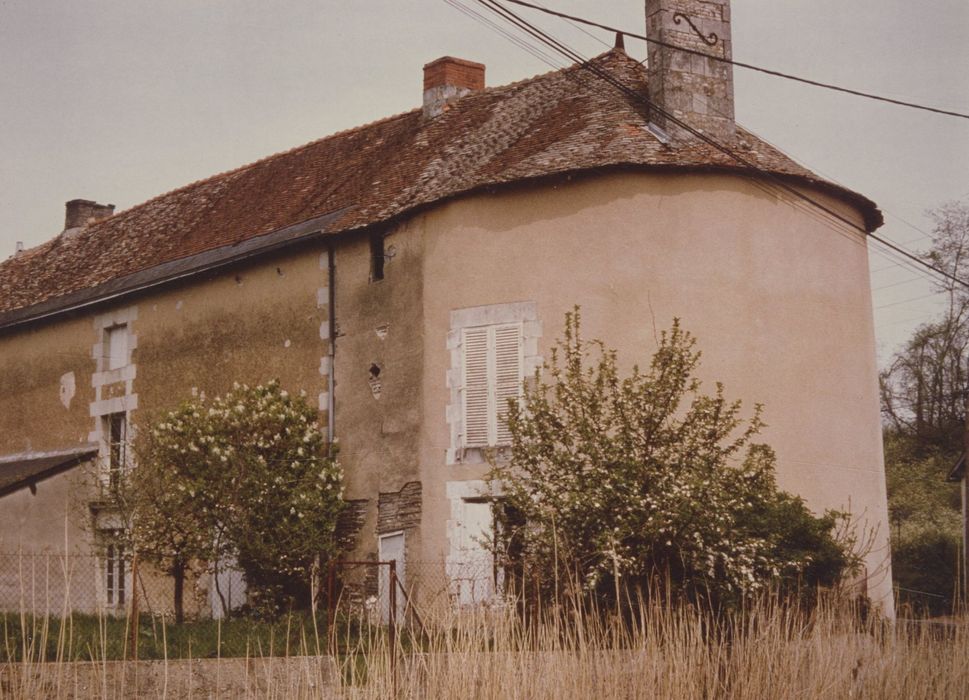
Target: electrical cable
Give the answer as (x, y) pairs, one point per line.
(637, 96)
(905, 263)
(910, 300)
(741, 64)
(896, 284)
(517, 41)
(882, 567)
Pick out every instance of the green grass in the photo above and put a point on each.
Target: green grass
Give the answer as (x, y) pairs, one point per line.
(90, 637)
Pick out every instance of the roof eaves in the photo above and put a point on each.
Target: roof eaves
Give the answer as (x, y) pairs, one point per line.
(38, 466)
(173, 270)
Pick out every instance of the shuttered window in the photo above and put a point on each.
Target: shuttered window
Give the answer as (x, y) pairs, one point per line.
(492, 376)
(117, 346)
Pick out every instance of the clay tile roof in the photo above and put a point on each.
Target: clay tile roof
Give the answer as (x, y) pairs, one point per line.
(560, 122)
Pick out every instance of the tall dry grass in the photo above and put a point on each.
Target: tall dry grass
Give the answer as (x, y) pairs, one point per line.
(770, 650)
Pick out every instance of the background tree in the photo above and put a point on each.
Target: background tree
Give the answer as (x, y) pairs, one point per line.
(247, 476)
(613, 481)
(923, 397)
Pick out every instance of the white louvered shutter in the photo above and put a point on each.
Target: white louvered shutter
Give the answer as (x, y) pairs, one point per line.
(492, 376)
(476, 393)
(508, 377)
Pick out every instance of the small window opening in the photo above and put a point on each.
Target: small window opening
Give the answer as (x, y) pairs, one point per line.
(377, 257)
(116, 347)
(114, 570)
(116, 429)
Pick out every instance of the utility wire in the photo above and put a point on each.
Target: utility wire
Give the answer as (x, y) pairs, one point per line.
(740, 64)
(895, 261)
(516, 40)
(905, 262)
(910, 300)
(888, 255)
(896, 284)
(639, 97)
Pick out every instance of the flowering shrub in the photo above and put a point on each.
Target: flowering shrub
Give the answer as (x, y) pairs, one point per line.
(242, 477)
(618, 481)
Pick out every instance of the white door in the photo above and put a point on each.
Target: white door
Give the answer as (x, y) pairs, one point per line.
(476, 577)
(391, 548)
(228, 588)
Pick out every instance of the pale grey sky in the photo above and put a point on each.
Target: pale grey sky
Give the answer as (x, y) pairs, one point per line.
(122, 100)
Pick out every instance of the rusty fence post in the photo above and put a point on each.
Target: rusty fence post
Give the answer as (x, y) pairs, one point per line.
(133, 620)
(392, 627)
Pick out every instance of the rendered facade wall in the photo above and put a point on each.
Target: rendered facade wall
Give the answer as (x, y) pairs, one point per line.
(778, 299)
(250, 323)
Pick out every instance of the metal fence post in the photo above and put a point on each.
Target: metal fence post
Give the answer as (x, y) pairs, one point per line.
(133, 621)
(392, 627)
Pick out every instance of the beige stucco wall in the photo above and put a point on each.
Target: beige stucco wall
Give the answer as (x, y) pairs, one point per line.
(777, 296)
(36, 531)
(32, 364)
(45, 521)
(379, 322)
(249, 323)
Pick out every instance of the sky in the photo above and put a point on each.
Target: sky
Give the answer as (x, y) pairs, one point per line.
(122, 100)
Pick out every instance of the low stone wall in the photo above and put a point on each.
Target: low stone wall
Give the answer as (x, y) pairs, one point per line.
(289, 677)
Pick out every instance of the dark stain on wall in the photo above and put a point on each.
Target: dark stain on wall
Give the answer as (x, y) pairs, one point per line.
(244, 345)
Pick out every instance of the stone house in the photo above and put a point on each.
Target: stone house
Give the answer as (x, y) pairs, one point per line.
(409, 272)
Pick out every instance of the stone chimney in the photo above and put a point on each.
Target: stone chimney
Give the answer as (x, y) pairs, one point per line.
(80, 212)
(447, 79)
(694, 89)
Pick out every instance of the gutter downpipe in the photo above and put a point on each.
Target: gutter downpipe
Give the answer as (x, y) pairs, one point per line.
(331, 350)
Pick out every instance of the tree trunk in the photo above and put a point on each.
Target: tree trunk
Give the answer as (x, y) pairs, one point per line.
(178, 573)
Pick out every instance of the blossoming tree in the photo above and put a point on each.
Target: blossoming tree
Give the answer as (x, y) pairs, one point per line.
(244, 477)
(645, 481)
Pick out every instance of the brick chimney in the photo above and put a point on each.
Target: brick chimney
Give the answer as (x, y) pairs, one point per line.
(447, 79)
(694, 89)
(80, 212)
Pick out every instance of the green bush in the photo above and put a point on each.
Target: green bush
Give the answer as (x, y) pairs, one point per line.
(924, 564)
(643, 481)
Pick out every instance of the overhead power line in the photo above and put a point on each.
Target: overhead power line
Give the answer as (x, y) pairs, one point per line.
(896, 260)
(741, 64)
(636, 95)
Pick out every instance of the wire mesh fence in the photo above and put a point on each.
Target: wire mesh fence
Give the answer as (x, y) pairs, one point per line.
(110, 583)
(57, 584)
(410, 591)
(98, 595)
